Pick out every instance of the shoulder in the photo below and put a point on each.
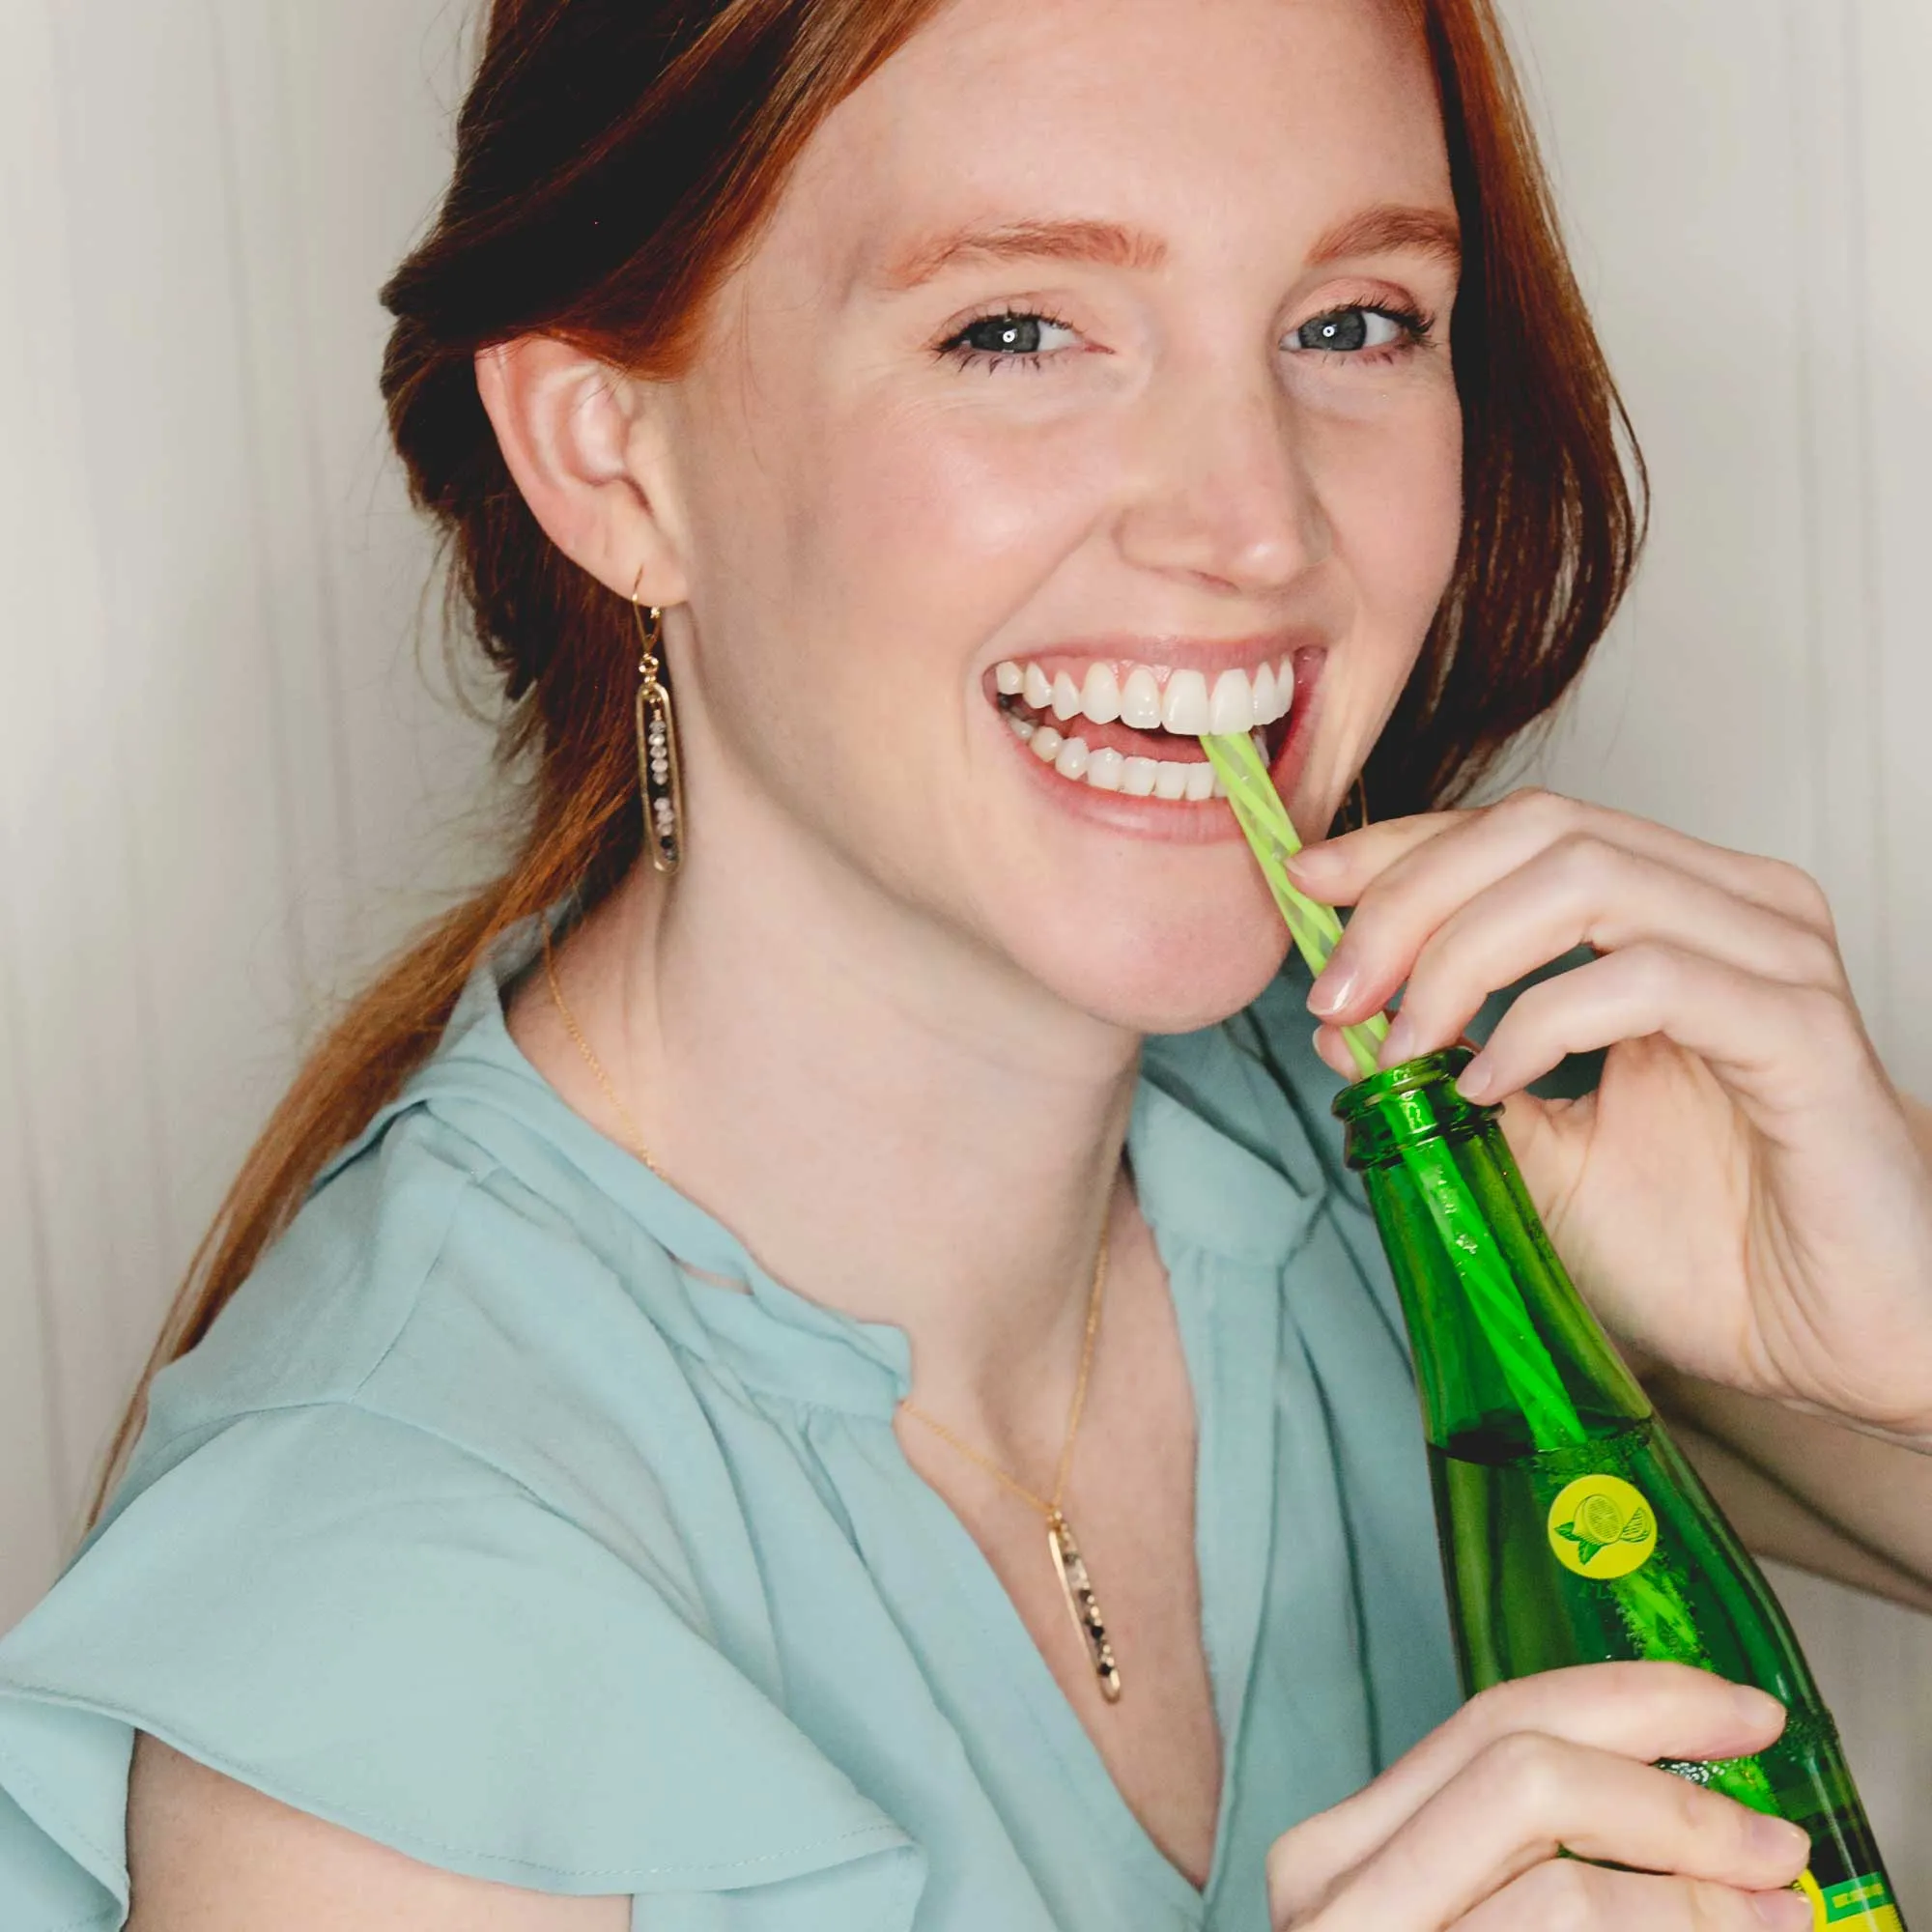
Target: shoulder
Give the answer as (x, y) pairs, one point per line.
(343, 1616)
(434, 1308)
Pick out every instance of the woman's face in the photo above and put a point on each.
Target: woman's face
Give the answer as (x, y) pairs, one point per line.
(1090, 386)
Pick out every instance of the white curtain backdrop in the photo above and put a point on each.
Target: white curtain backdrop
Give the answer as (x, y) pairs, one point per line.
(231, 774)
(225, 781)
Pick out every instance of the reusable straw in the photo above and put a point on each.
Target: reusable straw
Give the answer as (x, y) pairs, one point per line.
(1272, 839)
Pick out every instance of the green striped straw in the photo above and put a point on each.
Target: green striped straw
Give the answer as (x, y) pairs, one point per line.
(1272, 836)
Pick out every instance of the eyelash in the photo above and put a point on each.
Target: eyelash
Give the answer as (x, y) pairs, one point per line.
(956, 351)
(1417, 328)
(1418, 331)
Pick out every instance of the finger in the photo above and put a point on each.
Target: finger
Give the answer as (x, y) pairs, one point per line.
(1425, 868)
(1348, 864)
(1528, 1797)
(1334, 1052)
(1566, 1893)
(1779, 1049)
(1642, 1711)
(1534, 817)
(1585, 891)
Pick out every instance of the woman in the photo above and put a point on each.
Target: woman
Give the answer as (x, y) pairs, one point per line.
(619, 1495)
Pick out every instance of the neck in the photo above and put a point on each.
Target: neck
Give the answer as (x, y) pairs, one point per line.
(894, 1124)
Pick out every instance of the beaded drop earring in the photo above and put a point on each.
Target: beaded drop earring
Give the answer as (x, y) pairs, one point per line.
(661, 782)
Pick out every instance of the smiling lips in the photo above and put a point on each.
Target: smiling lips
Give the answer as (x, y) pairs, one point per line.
(1141, 725)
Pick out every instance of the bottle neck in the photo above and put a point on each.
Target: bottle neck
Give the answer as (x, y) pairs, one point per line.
(1409, 1106)
(1505, 1350)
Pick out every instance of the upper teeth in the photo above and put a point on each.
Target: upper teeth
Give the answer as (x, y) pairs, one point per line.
(1185, 704)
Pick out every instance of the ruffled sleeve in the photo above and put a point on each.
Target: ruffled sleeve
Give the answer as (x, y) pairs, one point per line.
(380, 1628)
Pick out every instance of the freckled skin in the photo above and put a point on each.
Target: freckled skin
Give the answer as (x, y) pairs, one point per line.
(874, 527)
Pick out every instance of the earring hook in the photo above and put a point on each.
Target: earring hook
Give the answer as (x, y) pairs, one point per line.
(650, 634)
(660, 778)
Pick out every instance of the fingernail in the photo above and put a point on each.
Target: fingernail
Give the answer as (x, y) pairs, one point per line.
(1315, 862)
(1790, 1910)
(1478, 1080)
(1756, 1708)
(1400, 1045)
(1777, 1837)
(1332, 991)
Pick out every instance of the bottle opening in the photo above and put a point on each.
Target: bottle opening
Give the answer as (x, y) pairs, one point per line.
(1403, 1106)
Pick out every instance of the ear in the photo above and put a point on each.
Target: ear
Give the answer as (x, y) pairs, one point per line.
(584, 444)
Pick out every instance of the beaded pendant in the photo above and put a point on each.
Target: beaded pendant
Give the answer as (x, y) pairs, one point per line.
(1082, 1605)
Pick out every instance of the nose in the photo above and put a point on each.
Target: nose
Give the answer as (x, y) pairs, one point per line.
(1219, 490)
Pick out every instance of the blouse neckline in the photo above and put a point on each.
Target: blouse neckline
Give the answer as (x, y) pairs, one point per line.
(1226, 1222)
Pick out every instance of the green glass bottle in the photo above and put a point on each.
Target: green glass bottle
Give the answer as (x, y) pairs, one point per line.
(1572, 1529)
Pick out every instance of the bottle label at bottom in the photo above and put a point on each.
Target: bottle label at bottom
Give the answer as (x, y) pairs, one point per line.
(1856, 1901)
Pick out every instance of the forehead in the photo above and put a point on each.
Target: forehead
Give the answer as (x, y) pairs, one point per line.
(1217, 124)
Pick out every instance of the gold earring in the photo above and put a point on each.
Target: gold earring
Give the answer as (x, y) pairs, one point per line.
(657, 771)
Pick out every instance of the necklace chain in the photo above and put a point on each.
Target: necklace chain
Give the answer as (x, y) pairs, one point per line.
(1068, 1565)
(1050, 1507)
(635, 1139)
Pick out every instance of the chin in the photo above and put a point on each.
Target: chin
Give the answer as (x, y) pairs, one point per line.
(1168, 973)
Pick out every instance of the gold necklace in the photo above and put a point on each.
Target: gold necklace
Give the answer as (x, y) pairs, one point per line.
(635, 1140)
(1075, 1585)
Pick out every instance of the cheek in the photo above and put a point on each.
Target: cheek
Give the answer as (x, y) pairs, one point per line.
(1393, 495)
(890, 540)
(851, 564)
(935, 517)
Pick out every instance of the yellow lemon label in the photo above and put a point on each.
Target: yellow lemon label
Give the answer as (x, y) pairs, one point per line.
(1601, 1526)
(1858, 1901)
(1808, 1885)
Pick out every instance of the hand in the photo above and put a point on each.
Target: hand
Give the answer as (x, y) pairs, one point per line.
(1743, 1196)
(1465, 1830)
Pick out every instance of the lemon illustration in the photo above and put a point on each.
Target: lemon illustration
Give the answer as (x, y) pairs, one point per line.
(1600, 1520)
(1601, 1527)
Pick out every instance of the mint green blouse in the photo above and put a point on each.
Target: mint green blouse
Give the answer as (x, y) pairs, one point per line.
(481, 1528)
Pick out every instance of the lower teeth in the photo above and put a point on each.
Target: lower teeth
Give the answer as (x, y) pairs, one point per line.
(1108, 771)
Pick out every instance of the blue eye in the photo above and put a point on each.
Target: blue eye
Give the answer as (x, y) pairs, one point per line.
(1016, 335)
(1006, 335)
(1348, 332)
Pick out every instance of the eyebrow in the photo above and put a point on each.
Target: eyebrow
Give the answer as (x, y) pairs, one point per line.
(1390, 228)
(1393, 229)
(1105, 244)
